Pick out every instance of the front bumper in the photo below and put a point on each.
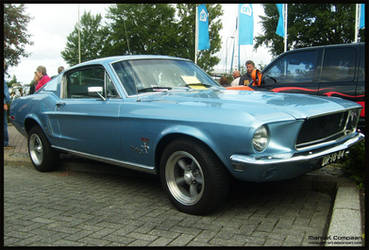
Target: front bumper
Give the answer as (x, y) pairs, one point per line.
(273, 169)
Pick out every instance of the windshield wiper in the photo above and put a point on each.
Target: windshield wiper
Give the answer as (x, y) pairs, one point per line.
(154, 89)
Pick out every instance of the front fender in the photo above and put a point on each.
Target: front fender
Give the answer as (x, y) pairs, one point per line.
(189, 131)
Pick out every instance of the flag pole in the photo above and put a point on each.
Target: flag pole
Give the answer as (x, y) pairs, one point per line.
(196, 33)
(285, 27)
(356, 23)
(238, 40)
(79, 38)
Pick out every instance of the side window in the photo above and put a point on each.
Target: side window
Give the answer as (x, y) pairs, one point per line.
(338, 65)
(79, 81)
(295, 67)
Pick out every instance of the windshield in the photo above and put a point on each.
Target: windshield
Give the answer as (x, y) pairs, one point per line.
(152, 75)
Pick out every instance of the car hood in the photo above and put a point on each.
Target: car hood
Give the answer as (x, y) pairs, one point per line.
(256, 103)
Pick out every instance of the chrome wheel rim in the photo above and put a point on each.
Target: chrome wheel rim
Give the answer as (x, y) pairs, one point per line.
(36, 149)
(184, 178)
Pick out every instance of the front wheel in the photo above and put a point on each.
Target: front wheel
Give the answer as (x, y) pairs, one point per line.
(193, 177)
(43, 157)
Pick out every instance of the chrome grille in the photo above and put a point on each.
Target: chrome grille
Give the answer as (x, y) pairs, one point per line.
(322, 128)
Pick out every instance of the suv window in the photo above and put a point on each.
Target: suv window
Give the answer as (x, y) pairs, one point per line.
(295, 67)
(338, 65)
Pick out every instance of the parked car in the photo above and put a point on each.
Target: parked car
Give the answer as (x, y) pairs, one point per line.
(331, 70)
(164, 115)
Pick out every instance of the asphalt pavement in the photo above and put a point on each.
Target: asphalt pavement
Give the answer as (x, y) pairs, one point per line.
(86, 203)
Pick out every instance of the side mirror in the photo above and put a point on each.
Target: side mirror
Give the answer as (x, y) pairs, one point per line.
(96, 90)
(268, 80)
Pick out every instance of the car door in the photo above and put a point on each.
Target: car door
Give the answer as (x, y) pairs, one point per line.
(88, 121)
(294, 72)
(337, 76)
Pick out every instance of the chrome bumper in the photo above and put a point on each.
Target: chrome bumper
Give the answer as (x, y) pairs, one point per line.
(246, 160)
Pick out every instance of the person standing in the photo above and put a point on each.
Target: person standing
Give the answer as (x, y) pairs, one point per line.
(6, 102)
(252, 77)
(33, 84)
(236, 78)
(44, 78)
(246, 79)
(60, 69)
(224, 81)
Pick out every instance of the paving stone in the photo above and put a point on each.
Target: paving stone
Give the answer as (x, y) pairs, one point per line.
(223, 242)
(161, 241)
(254, 241)
(139, 243)
(127, 210)
(140, 236)
(199, 244)
(163, 233)
(273, 242)
(10, 240)
(186, 230)
(102, 233)
(205, 236)
(65, 243)
(181, 240)
(88, 241)
(79, 235)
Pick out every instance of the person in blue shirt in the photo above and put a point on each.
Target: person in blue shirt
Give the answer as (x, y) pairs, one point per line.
(6, 101)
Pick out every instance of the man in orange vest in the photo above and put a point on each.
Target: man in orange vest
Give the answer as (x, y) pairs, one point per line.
(252, 76)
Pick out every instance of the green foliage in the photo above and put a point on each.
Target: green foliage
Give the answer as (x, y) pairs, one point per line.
(13, 82)
(157, 29)
(92, 36)
(354, 166)
(146, 28)
(15, 33)
(205, 58)
(309, 25)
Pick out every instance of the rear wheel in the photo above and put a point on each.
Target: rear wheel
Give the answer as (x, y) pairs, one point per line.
(193, 177)
(43, 157)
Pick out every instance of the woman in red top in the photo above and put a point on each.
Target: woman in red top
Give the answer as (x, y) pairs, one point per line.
(42, 76)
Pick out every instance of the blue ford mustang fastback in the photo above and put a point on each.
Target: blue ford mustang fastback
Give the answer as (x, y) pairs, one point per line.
(164, 115)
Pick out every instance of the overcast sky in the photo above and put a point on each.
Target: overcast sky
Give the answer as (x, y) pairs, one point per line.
(52, 23)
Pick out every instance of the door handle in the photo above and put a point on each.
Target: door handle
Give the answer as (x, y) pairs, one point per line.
(59, 104)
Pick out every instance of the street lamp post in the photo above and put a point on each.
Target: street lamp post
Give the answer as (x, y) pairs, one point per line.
(226, 64)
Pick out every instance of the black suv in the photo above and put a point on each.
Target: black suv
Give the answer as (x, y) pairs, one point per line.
(331, 70)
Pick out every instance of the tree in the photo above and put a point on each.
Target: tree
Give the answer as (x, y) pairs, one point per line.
(13, 82)
(141, 29)
(15, 33)
(92, 37)
(186, 34)
(309, 25)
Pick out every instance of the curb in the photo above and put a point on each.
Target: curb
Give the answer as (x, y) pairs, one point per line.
(345, 227)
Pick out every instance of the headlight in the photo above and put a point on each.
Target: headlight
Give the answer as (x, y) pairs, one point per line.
(352, 120)
(260, 139)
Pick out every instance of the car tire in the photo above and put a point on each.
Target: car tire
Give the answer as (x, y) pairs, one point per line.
(42, 156)
(193, 177)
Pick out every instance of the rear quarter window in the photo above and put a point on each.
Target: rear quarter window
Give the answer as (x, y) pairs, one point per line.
(338, 65)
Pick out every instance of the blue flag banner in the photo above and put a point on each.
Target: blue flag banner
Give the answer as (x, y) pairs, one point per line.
(203, 24)
(362, 16)
(280, 25)
(245, 24)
